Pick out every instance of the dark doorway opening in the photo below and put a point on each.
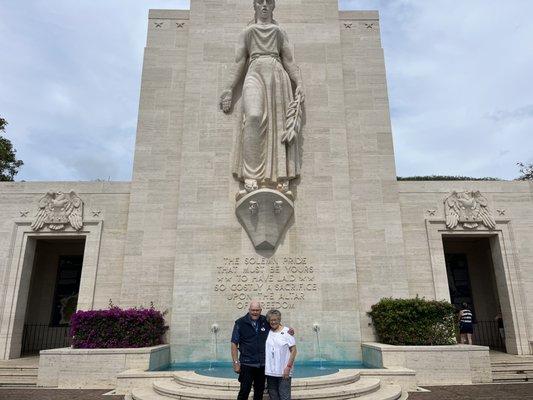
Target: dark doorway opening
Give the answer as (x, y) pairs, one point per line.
(472, 280)
(53, 294)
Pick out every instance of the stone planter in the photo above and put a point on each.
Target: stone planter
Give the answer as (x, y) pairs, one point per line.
(96, 368)
(434, 365)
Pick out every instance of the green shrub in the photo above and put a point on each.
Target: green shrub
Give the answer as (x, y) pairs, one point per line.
(415, 322)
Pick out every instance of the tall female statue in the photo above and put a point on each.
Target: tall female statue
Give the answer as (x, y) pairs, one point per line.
(267, 152)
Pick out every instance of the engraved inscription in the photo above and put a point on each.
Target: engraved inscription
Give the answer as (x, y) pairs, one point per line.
(278, 282)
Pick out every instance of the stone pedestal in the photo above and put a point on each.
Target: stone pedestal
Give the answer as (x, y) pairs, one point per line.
(264, 214)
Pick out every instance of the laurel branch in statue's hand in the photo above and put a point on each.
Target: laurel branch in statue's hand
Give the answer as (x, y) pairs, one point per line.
(299, 92)
(225, 100)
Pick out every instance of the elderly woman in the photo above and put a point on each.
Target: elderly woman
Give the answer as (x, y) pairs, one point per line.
(267, 149)
(280, 352)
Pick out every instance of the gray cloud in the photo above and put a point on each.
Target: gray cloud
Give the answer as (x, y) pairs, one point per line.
(450, 64)
(517, 114)
(458, 75)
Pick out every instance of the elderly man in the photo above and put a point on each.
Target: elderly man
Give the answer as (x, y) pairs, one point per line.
(249, 337)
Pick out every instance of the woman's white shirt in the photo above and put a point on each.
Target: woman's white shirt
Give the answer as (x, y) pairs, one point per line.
(277, 349)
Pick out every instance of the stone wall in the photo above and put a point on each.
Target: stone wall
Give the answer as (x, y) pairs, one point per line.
(105, 218)
(319, 248)
(377, 230)
(434, 365)
(152, 221)
(96, 368)
(511, 203)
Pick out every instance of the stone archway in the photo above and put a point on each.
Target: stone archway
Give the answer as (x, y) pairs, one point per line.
(506, 271)
(14, 293)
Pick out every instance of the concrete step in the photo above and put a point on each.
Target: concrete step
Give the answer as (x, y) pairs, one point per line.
(192, 379)
(17, 373)
(386, 392)
(19, 381)
(518, 364)
(17, 385)
(510, 377)
(18, 377)
(520, 370)
(146, 393)
(512, 369)
(356, 389)
(18, 368)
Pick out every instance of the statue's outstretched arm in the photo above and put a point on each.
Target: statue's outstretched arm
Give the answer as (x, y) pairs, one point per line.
(236, 74)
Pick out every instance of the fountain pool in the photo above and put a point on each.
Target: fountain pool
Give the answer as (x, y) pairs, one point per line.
(304, 369)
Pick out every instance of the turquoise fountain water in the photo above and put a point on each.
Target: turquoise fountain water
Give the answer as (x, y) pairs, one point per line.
(302, 369)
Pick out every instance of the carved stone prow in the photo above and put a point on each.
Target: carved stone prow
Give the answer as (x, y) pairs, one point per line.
(264, 214)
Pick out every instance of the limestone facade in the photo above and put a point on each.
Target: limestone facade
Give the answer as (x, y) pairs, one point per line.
(104, 232)
(171, 236)
(423, 221)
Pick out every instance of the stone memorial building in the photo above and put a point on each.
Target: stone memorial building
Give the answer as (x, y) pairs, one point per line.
(288, 195)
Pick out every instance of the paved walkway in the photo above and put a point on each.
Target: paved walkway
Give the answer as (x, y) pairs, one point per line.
(55, 394)
(498, 356)
(516, 391)
(32, 361)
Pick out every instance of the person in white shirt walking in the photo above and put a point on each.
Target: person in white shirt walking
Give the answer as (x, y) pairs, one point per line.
(280, 352)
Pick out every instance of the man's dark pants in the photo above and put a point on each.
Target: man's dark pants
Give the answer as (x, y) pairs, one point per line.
(247, 377)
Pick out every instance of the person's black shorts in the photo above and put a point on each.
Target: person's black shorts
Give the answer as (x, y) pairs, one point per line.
(466, 328)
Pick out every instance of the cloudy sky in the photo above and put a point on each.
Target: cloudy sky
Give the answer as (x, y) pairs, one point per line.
(459, 74)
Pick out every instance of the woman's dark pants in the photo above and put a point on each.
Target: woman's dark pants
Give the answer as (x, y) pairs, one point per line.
(279, 388)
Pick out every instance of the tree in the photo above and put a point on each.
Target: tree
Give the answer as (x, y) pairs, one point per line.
(9, 164)
(526, 170)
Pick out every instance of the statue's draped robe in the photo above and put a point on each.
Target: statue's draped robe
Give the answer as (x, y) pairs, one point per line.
(267, 94)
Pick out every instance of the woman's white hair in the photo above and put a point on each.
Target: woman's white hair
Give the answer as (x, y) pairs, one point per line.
(273, 313)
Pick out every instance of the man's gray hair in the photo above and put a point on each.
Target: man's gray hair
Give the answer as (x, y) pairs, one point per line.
(273, 313)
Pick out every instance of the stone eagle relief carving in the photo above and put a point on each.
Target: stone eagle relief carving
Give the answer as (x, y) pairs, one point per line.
(468, 208)
(58, 209)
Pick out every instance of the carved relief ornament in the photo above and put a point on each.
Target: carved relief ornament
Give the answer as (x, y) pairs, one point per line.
(469, 208)
(58, 209)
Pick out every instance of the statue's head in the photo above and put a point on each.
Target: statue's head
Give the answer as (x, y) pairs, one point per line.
(264, 10)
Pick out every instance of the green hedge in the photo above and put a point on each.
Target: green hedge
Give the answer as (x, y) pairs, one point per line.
(415, 322)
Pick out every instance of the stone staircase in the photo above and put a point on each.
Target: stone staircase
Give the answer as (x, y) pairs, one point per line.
(346, 384)
(512, 370)
(18, 376)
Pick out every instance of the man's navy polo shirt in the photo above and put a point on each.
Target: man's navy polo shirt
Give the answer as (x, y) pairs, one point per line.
(251, 340)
